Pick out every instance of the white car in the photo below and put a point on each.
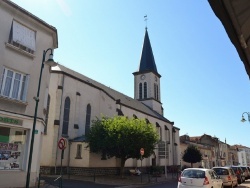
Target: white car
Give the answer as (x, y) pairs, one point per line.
(199, 177)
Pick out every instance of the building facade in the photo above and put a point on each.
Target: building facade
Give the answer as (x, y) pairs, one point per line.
(75, 100)
(243, 154)
(214, 152)
(22, 41)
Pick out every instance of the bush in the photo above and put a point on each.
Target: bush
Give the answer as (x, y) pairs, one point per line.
(156, 170)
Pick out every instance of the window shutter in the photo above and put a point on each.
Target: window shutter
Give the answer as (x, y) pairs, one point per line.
(25, 90)
(1, 79)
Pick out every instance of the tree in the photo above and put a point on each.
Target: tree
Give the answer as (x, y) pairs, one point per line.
(122, 138)
(192, 155)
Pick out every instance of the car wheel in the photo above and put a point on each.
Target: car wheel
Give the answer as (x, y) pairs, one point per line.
(232, 185)
(236, 185)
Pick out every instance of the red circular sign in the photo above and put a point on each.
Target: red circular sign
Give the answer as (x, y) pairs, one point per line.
(62, 144)
(142, 151)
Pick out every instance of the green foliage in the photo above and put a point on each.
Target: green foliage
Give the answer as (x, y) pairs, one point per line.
(192, 155)
(122, 137)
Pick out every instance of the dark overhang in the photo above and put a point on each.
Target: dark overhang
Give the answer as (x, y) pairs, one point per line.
(235, 17)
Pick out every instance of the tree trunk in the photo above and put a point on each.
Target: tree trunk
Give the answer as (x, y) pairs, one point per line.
(123, 160)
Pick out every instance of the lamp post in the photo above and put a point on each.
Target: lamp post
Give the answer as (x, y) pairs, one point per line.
(51, 63)
(248, 116)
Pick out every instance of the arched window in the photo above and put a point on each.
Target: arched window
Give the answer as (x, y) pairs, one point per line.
(147, 121)
(140, 91)
(155, 91)
(145, 90)
(47, 115)
(66, 116)
(134, 116)
(88, 115)
(159, 130)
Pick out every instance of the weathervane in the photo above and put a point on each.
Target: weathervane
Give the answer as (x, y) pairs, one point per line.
(145, 19)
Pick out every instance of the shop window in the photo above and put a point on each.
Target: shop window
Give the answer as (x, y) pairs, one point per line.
(12, 144)
(22, 37)
(66, 116)
(79, 151)
(88, 116)
(14, 84)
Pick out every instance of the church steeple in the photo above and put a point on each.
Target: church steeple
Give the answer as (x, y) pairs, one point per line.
(147, 78)
(147, 62)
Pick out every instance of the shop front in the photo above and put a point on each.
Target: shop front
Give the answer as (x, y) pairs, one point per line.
(14, 148)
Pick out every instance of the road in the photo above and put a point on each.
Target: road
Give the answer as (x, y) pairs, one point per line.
(80, 184)
(174, 185)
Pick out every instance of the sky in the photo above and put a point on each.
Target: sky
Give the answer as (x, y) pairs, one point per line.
(204, 85)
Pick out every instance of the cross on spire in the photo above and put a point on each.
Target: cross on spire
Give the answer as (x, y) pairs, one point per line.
(146, 19)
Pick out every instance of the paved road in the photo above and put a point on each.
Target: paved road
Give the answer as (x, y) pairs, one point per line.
(50, 183)
(69, 183)
(245, 184)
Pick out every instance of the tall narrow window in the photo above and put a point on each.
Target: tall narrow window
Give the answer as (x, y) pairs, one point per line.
(140, 91)
(79, 151)
(155, 91)
(159, 130)
(145, 90)
(66, 116)
(88, 116)
(47, 115)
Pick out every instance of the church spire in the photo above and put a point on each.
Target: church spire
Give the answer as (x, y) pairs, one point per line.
(147, 62)
(147, 79)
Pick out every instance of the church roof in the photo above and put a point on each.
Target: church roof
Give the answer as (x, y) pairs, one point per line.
(147, 62)
(115, 95)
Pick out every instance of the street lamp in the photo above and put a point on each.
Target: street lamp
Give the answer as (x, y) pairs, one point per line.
(248, 116)
(51, 63)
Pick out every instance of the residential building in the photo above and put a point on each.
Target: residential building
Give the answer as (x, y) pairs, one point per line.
(205, 149)
(243, 154)
(215, 152)
(233, 155)
(75, 100)
(22, 41)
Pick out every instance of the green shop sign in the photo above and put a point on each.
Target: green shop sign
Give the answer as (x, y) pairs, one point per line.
(10, 120)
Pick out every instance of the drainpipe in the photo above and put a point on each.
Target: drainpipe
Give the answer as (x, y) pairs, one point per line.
(69, 161)
(59, 121)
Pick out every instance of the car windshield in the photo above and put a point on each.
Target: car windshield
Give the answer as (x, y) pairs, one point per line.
(221, 171)
(193, 174)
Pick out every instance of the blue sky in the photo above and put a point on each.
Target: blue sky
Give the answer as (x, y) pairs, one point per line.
(204, 85)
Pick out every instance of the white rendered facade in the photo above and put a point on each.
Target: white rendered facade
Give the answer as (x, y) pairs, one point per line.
(22, 41)
(82, 100)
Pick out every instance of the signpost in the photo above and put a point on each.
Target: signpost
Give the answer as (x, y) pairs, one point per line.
(62, 144)
(142, 153)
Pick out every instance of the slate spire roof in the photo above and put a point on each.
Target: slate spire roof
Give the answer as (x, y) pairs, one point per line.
(147, 62)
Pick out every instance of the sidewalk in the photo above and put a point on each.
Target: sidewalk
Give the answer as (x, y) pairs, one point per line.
(113, 180)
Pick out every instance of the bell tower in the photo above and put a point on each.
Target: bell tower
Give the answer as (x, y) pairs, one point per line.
(147, 79)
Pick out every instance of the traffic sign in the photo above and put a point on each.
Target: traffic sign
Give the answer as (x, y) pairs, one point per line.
(62, 143)
(142, 151)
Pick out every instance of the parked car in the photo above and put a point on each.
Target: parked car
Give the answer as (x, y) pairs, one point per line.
(227, 175)
(199, 177)
(246, 172)
(240, 174)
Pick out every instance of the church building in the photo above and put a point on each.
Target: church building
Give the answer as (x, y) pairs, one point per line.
(74, 100)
